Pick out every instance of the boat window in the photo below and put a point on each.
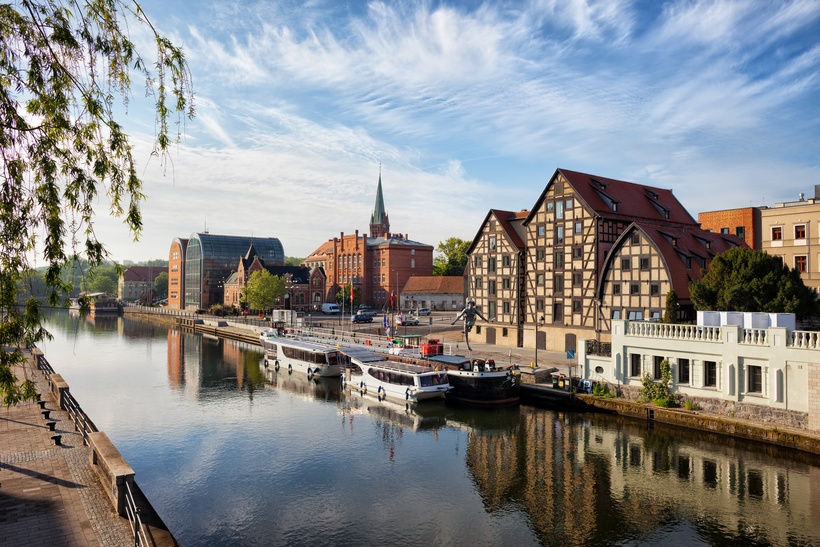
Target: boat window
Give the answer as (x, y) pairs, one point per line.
(271, 349)
(433, 379)
(332, 358)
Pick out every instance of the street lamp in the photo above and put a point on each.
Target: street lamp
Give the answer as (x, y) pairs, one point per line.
(541, 319)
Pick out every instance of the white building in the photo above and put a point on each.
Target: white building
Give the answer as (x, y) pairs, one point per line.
(769, 375)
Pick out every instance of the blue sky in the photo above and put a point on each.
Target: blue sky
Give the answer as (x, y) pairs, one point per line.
(469, 106)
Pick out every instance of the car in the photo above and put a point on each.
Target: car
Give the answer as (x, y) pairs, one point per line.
(423, 311)
(407, 320)
(362, 318)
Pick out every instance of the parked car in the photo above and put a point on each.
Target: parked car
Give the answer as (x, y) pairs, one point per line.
(362, 318)
(423, 311)
(406, 320)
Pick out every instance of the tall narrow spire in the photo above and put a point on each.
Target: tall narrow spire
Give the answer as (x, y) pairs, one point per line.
(379, 223)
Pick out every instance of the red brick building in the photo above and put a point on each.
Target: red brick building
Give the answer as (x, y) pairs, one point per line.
(137, 282)
(378, 264)
(302, 282)
(744, 223)
(176, 273)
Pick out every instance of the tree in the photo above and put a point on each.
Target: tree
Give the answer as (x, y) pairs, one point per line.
(63, 66)
(671, 313)
(747, 280)
(453, 258)
(102, 279)
(263, 290)
(343, 297)
(161, 284)
(293, 261)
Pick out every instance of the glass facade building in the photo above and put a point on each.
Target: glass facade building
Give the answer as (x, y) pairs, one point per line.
(210, 259)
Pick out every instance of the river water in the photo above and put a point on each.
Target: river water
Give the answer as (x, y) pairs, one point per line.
(230, 454)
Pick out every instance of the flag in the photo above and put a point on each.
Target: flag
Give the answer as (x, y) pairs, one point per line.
(391, 299)
(351, 297)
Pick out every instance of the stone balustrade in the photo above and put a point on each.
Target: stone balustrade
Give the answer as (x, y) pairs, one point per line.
(674, 331)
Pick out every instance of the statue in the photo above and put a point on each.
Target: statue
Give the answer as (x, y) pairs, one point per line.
(468, 314)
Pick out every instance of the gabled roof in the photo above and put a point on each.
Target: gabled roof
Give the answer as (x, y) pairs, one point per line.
(394, 240)
(675, 244)
(505, 220)
(143, 273)
(299, 274)
(621, 200)
(434, 284)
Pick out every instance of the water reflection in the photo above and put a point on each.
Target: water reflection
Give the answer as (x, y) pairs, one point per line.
(231, 453)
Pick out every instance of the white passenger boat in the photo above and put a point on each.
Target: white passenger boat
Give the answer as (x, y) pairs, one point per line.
(385, 378)
(311, 358)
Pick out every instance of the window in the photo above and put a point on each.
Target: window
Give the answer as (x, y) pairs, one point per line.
(559, 234)
(568, 204)
(634, 288)
(626, 264)
(616, 314)
(755, 379)
(636, 239)
(654, 289)
(710, 374)
(577, 252)
(490, 264)
(777, 233)
(724, 230)
(576, 279)
(557, 312)
(800, 231)
(635, 315)
(634, 364)
(550, 206)
(478, 283)
(579, 227)
(559, 259)
(478, 262)
(559, 210)
(539, 254)
(539, 305)
(491, 310)
(656, 369)
(616, 288)
(413, 252)
(740, 232)
(576, 306)
(539, 279)
(412, 262)
(491, 286)
(541, 230)
(505, 283)
(558, 283)
(506, 309)
(492, 243)
(505, 261)
(683, 371)
(801, 263)
(644, 263)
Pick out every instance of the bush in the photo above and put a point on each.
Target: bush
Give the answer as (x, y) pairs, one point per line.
(658, 392)
(601, 390)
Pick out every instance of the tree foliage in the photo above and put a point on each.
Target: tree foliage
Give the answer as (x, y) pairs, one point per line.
(343, 297)
(263, 290)
(453, 257)
(752, 281)
(293, 261)
(161, 284)
(64, 66)
(670, 315)
(658, 392)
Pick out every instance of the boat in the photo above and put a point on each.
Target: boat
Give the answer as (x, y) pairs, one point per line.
(478, 382)
(312, 358)
(268, 334)
(375, 374)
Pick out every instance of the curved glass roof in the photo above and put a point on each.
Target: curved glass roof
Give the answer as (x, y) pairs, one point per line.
(233, 247)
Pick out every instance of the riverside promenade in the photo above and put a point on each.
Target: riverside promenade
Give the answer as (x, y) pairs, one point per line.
(49, 494)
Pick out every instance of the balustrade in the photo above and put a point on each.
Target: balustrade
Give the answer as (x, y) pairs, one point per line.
(674, 331)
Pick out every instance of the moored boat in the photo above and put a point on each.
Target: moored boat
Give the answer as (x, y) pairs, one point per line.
(311, 358)
(388, 378)
(479, 382)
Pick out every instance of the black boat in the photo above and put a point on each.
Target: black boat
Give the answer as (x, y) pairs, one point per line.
(479, 382)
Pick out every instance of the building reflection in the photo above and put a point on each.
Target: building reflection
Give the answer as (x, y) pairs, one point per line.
(583, 481)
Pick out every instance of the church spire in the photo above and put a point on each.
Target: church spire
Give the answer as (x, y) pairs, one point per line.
(379, 223)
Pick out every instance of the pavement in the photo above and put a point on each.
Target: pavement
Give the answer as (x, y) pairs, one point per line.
(49, 495)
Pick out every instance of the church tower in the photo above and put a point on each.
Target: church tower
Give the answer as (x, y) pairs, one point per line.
(379, 223)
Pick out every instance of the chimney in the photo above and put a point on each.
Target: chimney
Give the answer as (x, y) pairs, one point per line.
(357, 239)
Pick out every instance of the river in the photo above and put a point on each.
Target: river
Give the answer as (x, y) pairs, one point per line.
(231, 454)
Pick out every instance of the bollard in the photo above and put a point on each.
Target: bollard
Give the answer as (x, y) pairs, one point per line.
(57, 439)
(51, 425)
(45, 413)
(42, 404)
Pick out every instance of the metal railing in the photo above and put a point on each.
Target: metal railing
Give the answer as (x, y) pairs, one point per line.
(134, 518)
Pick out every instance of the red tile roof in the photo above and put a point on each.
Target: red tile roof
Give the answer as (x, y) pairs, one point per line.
(143, 273)
(434, 284)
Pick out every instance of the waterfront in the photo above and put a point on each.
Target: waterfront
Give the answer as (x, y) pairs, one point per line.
(231, 455)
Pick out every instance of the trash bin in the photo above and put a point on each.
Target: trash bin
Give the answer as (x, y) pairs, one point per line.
(554, 381)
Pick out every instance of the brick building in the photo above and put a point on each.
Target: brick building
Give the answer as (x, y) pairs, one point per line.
(300, 280)
(589, 250)
(744, 223)
(378, 264)
(137, 282)
(176, 273)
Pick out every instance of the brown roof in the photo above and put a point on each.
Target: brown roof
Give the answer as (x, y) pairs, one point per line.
(504, 219)
(434, 284)
(143, 273)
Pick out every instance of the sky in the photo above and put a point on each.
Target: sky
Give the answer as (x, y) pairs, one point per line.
(467, 106)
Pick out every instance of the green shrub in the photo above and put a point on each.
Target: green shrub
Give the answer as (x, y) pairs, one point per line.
(601, 390)
(658, 392)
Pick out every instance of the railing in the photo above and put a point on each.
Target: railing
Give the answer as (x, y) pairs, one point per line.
(805, 339)
(357, 339)
(81, 421)
(677, 332)
(756, 337)
(596, 347)
(134, 518)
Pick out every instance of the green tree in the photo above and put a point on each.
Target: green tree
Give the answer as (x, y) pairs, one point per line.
(747, 280)
(263, 290)
(452, 258)
(161, 284)
(670, 315)
(343, 297)
(103, 279)
(63, 66)
(293, 261)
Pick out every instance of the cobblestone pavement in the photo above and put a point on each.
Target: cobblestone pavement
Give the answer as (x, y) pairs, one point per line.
(49, 495)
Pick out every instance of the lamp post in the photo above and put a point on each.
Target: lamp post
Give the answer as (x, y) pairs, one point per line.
(541, 320)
